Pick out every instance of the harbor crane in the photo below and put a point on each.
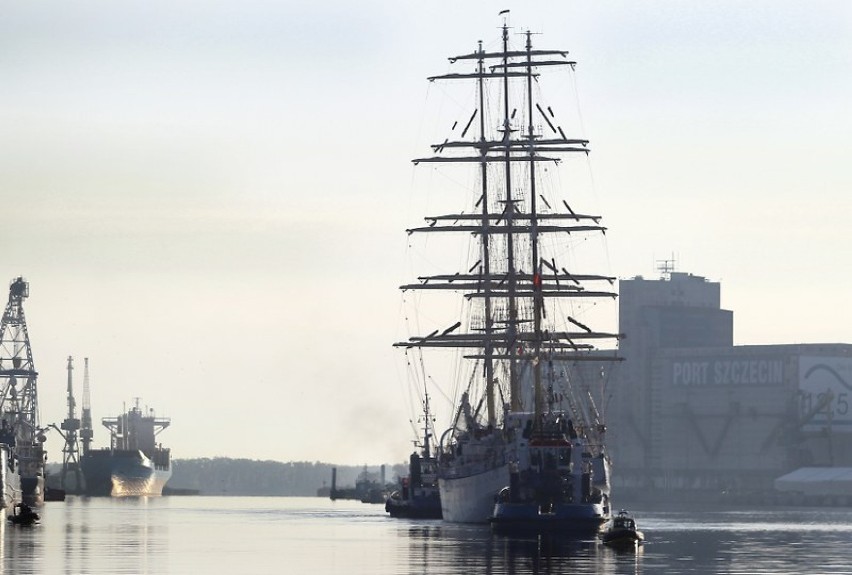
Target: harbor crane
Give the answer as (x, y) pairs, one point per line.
(86, 431)
(71, 425)
(19, 394)
(74, 431)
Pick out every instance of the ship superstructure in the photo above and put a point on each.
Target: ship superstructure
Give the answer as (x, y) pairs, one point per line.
(135, 464)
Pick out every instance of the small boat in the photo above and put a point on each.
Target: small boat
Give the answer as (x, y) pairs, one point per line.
(23, 514)
(622, 532)
(54, 494)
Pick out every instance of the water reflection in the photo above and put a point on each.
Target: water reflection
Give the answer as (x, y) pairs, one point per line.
(20, 544)
(269, 535)
(85, 535)
(77, 537)
(445, 548)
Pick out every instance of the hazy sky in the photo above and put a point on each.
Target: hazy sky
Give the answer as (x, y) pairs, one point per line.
(209, 197)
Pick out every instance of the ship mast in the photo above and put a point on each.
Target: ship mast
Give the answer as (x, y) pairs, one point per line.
(485, 240)
(535, 264)
(427, 421)
(512, 322)
(502, 285)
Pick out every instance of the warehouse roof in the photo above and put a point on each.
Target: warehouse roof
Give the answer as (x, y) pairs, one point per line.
(817, 481)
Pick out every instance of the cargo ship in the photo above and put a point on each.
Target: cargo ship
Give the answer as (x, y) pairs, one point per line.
(134, 464)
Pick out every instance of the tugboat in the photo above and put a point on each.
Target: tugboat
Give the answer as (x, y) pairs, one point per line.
(532, 436)
(560, 481)
(623, 532)
(418, 497)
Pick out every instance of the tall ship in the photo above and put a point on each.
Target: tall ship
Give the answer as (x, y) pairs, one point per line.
(526, 447)
(21, 437)
(134, 464)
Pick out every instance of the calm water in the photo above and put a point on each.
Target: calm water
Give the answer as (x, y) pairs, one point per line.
(301, 535)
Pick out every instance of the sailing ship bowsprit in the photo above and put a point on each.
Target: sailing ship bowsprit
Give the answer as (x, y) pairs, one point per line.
(529, 453)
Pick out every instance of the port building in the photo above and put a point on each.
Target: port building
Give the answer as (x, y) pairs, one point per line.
(688, 410)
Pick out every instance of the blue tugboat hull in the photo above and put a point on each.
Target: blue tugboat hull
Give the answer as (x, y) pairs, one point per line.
(577, 519)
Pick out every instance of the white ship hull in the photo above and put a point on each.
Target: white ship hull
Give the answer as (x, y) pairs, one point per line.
(470, 499)
(9, 478)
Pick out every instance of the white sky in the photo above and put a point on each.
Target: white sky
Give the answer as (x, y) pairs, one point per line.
(208, 197)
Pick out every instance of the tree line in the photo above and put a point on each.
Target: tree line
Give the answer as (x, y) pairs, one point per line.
(227, 476)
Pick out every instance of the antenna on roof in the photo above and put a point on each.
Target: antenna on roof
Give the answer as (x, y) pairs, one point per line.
(666, 267)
